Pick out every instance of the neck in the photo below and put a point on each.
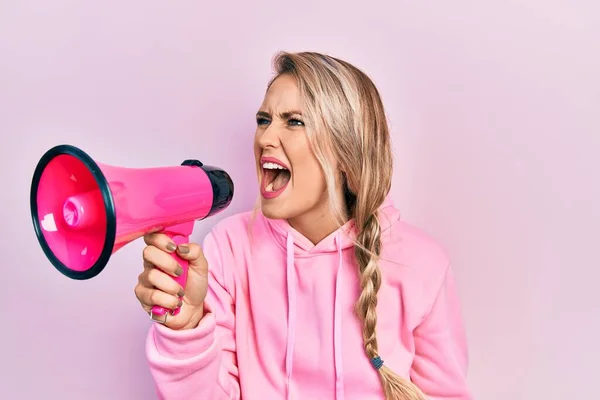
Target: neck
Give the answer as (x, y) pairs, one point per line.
(317, 223)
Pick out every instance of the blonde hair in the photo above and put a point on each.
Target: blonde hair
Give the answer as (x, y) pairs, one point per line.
(345, 121)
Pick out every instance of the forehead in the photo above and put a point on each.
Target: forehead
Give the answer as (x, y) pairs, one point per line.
(283, 94)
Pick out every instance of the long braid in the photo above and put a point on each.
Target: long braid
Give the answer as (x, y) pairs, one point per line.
(367, 253)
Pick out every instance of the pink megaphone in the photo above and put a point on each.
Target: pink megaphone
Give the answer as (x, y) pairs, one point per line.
(84, 211)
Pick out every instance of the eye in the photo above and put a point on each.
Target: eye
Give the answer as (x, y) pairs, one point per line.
(262, 121)
(295, 122)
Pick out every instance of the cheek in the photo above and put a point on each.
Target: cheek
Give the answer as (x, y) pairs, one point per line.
(256, 145)
(257, 150)
(257, 155)
(309, 177)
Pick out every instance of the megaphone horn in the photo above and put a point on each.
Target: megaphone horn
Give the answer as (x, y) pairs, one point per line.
(84, 211)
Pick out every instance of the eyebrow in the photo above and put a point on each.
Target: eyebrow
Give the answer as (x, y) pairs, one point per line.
(282, 115)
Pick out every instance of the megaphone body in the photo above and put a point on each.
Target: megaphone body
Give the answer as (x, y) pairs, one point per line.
(84, 211)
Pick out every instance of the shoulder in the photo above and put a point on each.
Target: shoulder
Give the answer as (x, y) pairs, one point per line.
(421, 257)
(228, 232)
(417, 246)
(224, 246)
(232, 224)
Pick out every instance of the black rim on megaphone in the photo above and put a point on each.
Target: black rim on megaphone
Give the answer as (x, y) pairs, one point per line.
(111, 225)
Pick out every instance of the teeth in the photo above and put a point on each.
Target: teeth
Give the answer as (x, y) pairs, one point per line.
(270, 165)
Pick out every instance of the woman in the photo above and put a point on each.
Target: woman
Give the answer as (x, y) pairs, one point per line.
(324, 292)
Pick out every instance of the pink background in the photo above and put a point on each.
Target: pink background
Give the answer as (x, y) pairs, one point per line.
(494, 108)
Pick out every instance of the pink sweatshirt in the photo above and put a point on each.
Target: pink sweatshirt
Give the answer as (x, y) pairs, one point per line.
(279, 320)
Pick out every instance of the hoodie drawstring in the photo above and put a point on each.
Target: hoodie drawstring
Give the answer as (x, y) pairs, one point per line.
(337, 327)
(291, 328)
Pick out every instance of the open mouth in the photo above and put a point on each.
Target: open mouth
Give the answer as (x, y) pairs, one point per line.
(275, 176)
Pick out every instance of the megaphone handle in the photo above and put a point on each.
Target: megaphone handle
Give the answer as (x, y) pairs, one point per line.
(177, 239)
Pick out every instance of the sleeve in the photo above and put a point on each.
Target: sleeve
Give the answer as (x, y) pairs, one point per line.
(440, 365)
(200, 363)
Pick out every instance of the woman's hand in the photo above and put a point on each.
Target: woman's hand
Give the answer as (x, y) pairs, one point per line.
(156, 287)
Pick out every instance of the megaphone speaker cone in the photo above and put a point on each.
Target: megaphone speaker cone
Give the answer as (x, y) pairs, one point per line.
(73, 212)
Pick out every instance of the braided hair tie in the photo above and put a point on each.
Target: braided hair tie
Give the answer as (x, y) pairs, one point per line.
(376, 362)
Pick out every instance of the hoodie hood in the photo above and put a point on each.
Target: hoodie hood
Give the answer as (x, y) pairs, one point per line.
(344, 236)
(296, 245)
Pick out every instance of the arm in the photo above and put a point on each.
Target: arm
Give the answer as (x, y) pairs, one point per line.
(199, 363)
(440, 364)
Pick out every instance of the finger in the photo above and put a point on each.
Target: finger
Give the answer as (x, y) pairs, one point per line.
(152, 297)
(161, 281)
(143, 277)
(148, 265)
(193, 253)
(162, 260)
(140, 295)
(161, 241)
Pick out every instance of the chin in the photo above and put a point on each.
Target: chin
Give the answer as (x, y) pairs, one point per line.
(275, 210)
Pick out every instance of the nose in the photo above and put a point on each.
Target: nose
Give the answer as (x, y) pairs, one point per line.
(269, 138)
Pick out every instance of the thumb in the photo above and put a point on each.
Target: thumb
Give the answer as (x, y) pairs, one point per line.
(193, 254)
